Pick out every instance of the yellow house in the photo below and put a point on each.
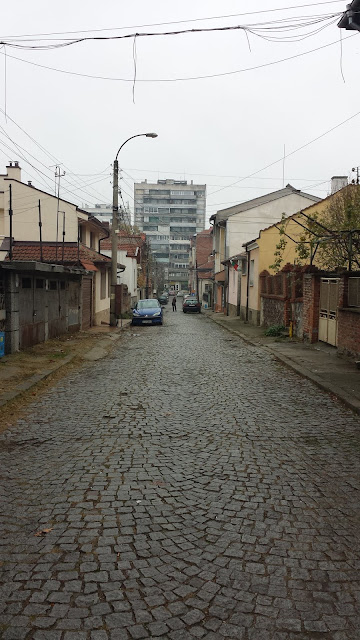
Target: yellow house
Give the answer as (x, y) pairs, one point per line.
(259, 255)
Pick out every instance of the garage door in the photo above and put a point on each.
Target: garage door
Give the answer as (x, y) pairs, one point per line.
(86, 303)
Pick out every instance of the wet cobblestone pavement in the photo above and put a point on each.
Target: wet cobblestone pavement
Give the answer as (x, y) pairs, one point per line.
(191, 487)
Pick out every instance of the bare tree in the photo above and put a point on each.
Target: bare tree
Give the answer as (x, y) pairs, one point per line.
(334, 234)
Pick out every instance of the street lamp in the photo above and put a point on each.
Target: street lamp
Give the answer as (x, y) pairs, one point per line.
(114, 226)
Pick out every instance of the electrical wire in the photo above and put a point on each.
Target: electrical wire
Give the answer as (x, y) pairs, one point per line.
(212, 175)
(238, 27)
(322, 135)
(52, 158)
(151, 80)
(161, 24)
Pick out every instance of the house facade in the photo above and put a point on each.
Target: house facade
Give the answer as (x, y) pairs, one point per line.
(259, 254)
(42, 227)
(237, 225)
(130, 255)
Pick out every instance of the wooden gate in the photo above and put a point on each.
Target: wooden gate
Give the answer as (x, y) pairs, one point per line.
(86, 298)
(329, 300)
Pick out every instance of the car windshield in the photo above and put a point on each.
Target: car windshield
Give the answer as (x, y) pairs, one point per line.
(147, 304)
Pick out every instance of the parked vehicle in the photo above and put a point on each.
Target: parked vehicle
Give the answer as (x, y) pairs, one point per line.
(191, 305)
(182, 293)
(163, 299)
(147, 311)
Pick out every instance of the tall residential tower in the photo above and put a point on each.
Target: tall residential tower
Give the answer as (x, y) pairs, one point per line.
(170, 212)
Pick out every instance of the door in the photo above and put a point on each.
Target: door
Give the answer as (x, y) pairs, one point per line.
(86, 315)
(329, 297)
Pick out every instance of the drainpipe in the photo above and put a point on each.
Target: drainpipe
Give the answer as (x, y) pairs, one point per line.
(227, 289)
(247, 285)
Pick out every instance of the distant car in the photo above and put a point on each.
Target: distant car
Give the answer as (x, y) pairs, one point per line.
(182, 294)
(147, 311)
(163, 299)
(191, 305)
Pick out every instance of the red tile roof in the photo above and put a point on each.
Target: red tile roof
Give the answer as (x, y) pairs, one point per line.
(127, 243)
(23, 251)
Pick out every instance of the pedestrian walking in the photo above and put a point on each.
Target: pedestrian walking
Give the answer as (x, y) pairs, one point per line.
(173, 304)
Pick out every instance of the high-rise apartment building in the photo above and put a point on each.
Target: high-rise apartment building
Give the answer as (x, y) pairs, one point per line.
(170, 212)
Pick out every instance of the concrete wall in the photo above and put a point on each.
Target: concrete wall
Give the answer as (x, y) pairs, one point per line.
(254, 293)
(101, 306)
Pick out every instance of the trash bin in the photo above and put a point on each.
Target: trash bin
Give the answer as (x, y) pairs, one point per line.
(2, 343)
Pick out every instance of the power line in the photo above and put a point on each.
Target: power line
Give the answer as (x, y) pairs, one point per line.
(273, 25)
(212, 175)
(290, 154)
(214, 75)
(49, 155)
(161, 24)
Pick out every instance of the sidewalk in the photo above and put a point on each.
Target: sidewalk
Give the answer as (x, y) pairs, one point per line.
(21, 372)
(318, 362)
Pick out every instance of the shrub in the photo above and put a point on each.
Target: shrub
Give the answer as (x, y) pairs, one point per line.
(275, 330)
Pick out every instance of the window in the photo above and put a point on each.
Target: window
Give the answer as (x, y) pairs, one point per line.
(243, 268)
(251, 274)
(53, 285)
(26, 283)
(92, 240)
(81, 234)
(62, 285)
(103, 285)
(39, 283)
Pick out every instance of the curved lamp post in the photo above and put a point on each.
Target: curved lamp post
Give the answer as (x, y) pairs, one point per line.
(114, 243)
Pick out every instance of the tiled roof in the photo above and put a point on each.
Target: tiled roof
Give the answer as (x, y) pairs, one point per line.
(127, 243)
(53, 253)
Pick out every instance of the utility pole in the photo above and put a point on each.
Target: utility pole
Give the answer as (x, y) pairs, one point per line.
(147, 270)
(11, 222)
(58, 175)
(114, 222)
(197, 280)
(40, 233)
(114, 242)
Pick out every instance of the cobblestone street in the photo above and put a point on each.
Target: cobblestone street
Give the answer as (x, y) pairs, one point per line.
(191, 487)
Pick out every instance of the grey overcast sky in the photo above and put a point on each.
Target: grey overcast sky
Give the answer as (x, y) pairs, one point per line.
(215, 130)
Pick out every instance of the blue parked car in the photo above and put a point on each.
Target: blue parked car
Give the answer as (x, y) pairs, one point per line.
(147, 312)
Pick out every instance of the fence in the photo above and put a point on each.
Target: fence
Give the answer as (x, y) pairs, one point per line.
(282, 298)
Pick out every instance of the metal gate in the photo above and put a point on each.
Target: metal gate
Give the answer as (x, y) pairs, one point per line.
(86, 315)
(329, 300)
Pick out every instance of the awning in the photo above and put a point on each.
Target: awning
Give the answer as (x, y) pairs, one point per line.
(220, 276)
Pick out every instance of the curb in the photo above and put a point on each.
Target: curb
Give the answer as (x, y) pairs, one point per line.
(342, 396)
(39, 377)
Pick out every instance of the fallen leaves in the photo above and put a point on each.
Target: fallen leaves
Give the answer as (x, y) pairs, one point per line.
(42, 532)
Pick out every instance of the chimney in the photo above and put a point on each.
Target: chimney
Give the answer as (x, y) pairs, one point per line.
(338, 182)
(14, 170)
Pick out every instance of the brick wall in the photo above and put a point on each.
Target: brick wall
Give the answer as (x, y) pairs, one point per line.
(349, 331)
(311, 301)
(281, 298)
